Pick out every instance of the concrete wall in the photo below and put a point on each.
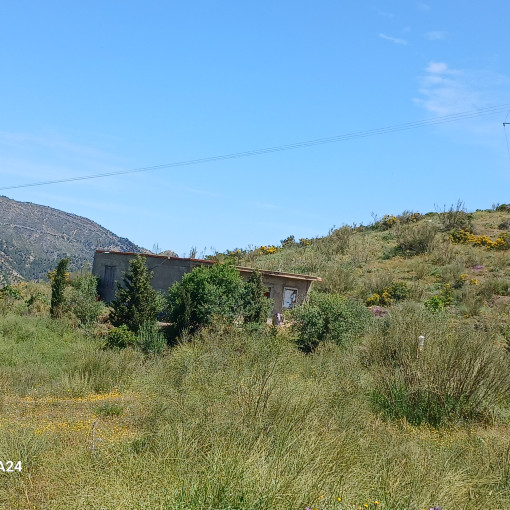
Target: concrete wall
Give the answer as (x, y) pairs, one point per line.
(110, 267)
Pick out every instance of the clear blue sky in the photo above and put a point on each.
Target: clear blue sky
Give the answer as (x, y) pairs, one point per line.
(100, 86)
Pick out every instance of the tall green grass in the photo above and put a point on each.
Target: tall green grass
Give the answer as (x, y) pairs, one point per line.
(237, 420)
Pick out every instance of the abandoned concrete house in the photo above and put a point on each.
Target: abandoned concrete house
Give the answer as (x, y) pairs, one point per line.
(286, 289)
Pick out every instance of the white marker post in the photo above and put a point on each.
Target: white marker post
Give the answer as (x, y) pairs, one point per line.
(421, 344)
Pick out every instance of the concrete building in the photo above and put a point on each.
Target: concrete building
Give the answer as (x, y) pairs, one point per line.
(286, 289)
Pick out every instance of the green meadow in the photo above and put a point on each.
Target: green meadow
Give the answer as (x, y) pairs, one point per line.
(329, 411)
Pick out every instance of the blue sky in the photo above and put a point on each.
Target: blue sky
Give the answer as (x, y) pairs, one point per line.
(93, 87)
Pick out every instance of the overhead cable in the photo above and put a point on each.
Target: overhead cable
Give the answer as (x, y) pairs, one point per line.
(454, 117)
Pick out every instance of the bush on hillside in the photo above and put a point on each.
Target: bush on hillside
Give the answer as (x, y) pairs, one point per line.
(415, 239)
(457, 376)
(327, 317)
(456, 217)
(397, 291)
(149, 339)
(439, 302)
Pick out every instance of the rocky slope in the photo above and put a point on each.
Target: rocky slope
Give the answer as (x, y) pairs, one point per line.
(34, 237)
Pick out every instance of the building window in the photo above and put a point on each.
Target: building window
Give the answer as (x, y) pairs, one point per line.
(289, 297)
(268, 292)
(109, 276)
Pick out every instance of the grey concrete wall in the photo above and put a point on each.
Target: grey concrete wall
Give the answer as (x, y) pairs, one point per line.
(166, 271)
(110, 267)
(277, 284)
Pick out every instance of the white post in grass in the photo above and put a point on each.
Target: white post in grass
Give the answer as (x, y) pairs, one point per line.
(421, 344)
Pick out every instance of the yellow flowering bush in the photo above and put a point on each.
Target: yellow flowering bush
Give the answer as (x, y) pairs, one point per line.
(465, 237)
(388, 221)
(397, 291)
(268, 250)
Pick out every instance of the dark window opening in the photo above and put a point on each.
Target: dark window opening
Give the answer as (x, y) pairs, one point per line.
(109, 276)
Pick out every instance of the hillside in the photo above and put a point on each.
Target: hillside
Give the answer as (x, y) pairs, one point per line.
(404, 408)
(33, 237)
(464, 254)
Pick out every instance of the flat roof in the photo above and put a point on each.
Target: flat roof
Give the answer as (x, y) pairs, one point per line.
(241, 269)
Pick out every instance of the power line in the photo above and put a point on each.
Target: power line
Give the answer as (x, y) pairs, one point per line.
(455, 117)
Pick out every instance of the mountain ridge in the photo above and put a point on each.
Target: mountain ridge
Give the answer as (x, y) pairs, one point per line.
(34, 237)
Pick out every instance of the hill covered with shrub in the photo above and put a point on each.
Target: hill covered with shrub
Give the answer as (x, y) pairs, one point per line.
(342, 408)
(454, 259)
(34, 237)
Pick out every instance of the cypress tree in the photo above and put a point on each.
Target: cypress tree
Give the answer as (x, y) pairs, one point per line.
(58, 284)
(136, 303)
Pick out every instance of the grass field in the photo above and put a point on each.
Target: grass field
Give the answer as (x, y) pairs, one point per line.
(237, 419)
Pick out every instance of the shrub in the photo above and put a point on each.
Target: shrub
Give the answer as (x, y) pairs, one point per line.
(439, 302)
(388, 221)
(59, 278)
(339, 239)
(8, 296)
(288, 242)
(460, 236)
(327, 317)
(120, 338)
(455, 218)
(136, 302)
(205, 293)
(469, 302)
(397, 291)
(465, 237)
(256, 307)
(149, 339)
(494, 287)
(415, 239)
(458, 375)
(409, 217)
(81, 299)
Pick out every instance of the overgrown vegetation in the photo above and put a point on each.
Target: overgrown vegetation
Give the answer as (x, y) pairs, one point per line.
(341, 407)
(58, 284)
(328, 318)
(136, 303)
(214, 293)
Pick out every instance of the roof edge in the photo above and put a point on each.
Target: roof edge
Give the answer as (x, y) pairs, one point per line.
(244, 269)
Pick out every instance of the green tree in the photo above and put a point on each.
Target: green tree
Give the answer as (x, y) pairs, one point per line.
(136, 302)
(327, 317)
(205, 293)
(81, 298)
(58, 279)
(256, 306)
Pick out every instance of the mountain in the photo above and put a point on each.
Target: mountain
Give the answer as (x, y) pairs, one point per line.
(34, 237)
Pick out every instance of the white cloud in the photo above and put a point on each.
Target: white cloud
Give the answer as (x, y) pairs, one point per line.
(438, 68)
(395, 40)
(436, 35)
(384, 14)
(422, 6)
(445, 90)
